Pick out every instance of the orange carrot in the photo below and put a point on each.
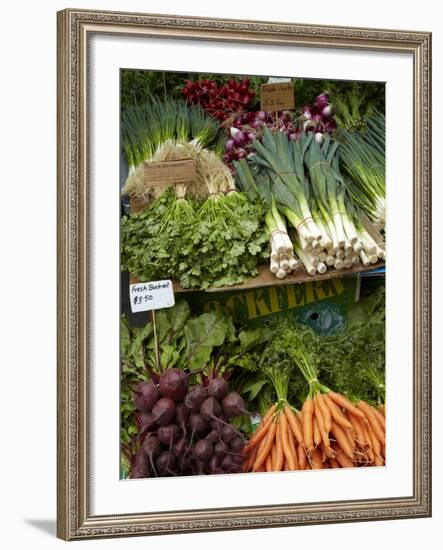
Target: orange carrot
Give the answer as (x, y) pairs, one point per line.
(336, 413)
(250, 460)
(316, 461)
(372, 419)
(380, 418)
(317, 435)
(333, 463)
(381, 408)
(359, 435)
(285, 466)
(268, 463)
(294, 423)
(258, 435)
(341, 458)
(375, 443)
(288, 452)
(307, 410)
(321, 426)
(279, 455)
(342, 440)
(266, 448)
(269, 413)
(326, 413)
(293, 447)
(344, 403)
(301, 455)
(379, 461)
(261, 469)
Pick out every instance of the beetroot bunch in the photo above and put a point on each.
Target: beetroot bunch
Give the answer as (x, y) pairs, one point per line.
(185, 430)
(220, 101)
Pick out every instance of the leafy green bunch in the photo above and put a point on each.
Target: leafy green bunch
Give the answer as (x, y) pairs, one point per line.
(199, 251)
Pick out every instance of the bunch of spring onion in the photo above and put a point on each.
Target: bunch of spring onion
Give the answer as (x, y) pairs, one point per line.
(303, 179)
(168, 130)
(363, 160)
(344, 240)
(282, 258)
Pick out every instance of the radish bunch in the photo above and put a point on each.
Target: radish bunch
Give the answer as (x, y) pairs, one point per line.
(185, 430)
(221, 101)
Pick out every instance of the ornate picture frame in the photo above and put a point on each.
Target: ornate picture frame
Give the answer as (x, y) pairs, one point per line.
(75, 29)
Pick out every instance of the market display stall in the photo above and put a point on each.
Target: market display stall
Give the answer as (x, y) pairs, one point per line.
(264, 216)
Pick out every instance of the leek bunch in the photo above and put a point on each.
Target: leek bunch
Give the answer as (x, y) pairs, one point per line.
(363, 160)
(301, 181)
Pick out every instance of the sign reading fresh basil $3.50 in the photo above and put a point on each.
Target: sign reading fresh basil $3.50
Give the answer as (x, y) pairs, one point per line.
(151, 295)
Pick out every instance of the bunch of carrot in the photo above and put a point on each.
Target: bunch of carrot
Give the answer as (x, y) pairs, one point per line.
(338, 434)
(277, 445)
(329, 432)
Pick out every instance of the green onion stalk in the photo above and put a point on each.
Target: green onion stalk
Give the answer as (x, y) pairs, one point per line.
(363, 160)
(149, 128)
(282, 258)
(283, 161)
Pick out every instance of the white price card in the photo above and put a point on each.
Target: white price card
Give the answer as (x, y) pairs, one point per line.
(151, 295)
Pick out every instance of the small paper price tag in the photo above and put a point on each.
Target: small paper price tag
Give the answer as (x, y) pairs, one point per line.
(168, 172)
(277, 96)
(151, 295)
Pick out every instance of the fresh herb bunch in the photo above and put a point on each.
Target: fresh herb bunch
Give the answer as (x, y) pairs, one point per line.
(219, 246)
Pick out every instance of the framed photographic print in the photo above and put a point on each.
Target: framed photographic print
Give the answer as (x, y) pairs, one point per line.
(243, 274)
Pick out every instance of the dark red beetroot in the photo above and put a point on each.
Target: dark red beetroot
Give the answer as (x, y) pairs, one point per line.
(194, 398)
(140, 468)
(214, 465)
(228, 433)
(164, 411)
(229, 465)
(180, 447)
(220, 449)
(146, 396)
(165, 463)
(218, 388)
(203, 450)
(168, 434)
(147, 421)
(210, 409)
(213, 437)
(237, 445)
(181, 414)
(233, 406)
(198, 424)
(151, 448)
(173, 384)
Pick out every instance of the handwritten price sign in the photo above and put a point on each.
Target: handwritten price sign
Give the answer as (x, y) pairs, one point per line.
(150, 296)
(277, 96)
